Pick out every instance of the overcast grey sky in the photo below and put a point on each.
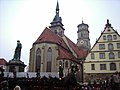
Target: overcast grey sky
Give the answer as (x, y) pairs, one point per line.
(25, 20)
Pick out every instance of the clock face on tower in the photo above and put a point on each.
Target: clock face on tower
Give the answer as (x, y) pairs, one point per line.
(81, 42)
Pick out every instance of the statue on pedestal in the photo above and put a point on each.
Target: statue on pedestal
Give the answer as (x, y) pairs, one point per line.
(17, 53)
(16, 65)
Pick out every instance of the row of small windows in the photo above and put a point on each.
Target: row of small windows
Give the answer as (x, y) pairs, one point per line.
(66, 64)
(103, 66)
(110, 46)
(102, 55)
(62, 64)
(109, 37)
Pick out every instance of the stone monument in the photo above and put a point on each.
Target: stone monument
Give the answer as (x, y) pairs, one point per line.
(16, 65)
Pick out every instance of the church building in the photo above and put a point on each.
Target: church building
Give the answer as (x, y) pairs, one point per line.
(53, 48)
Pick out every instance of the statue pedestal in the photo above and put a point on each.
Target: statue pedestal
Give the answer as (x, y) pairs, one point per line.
(15, 65)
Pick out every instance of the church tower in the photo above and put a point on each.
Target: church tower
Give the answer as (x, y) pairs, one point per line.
(56, 24)
(83, 40)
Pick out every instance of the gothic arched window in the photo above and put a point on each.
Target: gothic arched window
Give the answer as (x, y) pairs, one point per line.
(49, 59)
(66, 64)
(60, 63)
(38, 59)
(112, 66)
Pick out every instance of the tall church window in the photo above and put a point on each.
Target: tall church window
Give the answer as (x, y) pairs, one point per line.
(101, 46)
(112, 66)
(38, 59)
(92, 66)
(109, 37)
(111, 55)
(66, 64)
(118, 45)
(92, 56)
(110, 46)
(102, 55)
(102, 66)
(49, 60)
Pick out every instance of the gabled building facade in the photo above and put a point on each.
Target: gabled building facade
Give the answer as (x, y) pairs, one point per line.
(104, 57)
(54, 48)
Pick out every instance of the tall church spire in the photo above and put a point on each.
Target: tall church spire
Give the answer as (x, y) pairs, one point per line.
(57, 7)
(56, 24)
(57, 12)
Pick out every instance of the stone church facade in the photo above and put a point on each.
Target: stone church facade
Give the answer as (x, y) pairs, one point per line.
(53, 48)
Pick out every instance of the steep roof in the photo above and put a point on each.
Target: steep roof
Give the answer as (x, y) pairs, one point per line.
(3, 61)
(48, 36)
(79, 52)
(64, 54)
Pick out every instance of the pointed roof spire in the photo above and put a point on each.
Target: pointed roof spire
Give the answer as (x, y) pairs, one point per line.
(57, 11)
(57, 20)
(57, 7)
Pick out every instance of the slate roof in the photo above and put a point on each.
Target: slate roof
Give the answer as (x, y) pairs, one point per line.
(48, 36)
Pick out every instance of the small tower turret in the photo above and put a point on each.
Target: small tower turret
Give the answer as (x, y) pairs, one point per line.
(56, 24)
(83, 40)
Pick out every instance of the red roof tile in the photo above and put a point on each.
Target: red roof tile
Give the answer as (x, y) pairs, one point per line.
(79, 52)
(48, 36)
(64, 54)
(3, 61)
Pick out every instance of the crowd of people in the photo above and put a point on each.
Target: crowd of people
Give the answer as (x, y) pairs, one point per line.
(53, 83)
